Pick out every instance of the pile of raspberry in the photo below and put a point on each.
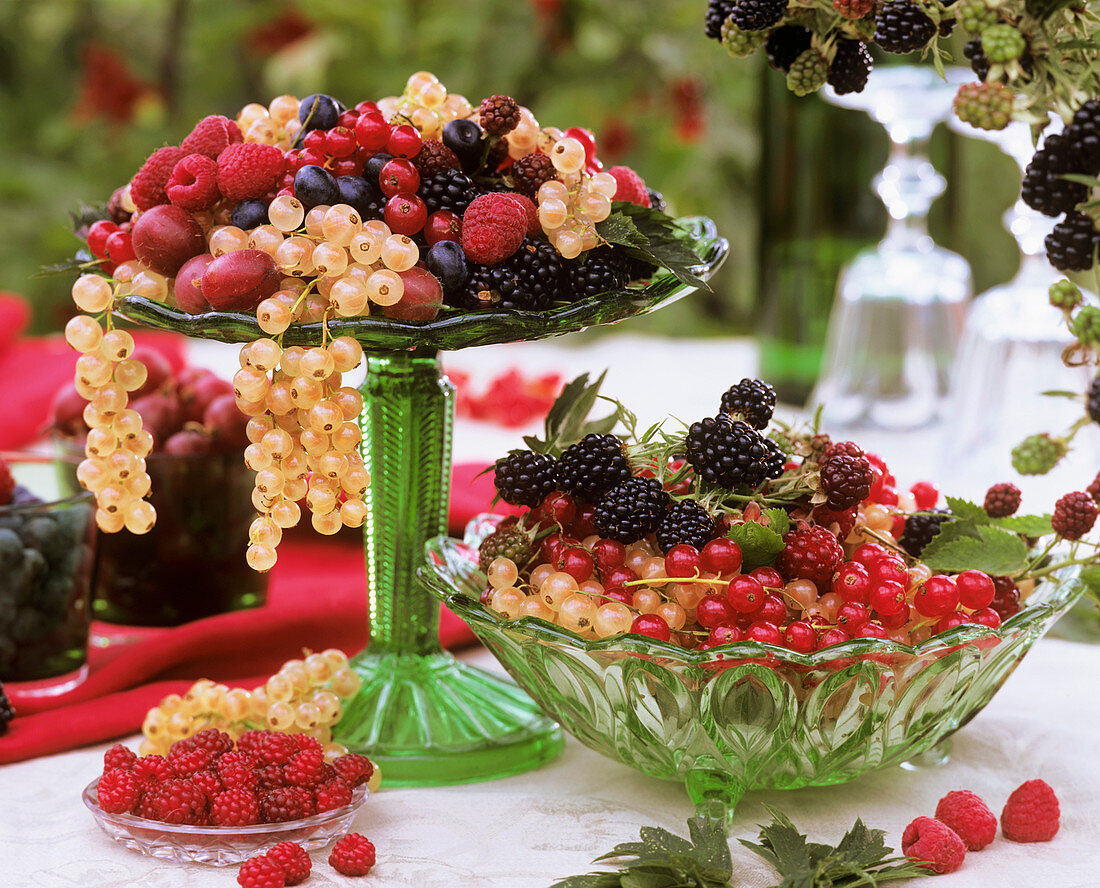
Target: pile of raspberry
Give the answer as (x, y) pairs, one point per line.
(207, 780)
(287, 863)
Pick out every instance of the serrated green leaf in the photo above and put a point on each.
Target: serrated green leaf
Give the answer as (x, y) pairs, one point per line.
(992, 549)
(620, 229)
(862, 847)
(567, 418)
(665, 245)
(778, 520)
(759, 544)
(781, 844)
(712, 848)
(1028, 525)
(1090, 576)
(82, 260)
(590, 880)
(964, 510)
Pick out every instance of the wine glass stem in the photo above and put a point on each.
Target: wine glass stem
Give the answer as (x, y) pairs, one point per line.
(407, 420)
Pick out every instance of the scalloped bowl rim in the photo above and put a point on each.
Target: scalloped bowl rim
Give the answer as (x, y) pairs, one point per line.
(359, 795)
(1065, 589)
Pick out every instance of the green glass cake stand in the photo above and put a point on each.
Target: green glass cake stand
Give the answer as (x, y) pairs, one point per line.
(426, 718)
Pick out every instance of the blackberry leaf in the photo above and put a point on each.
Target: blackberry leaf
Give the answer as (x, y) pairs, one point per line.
(759, 544)
(995, 551)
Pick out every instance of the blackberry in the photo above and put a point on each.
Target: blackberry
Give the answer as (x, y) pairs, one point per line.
(717, 12)
(1084, 134)
(1065, 295)
(631, 510)
(903, 27)
(6, 711)
(786, 44)
(498, 115)
(920, 528)
(1037, 454)
(592, 465)
(1072, 244)
(601, 271)
(1003, 43)
(1002, 500)
(686, 522)
(529, 280)
(974, 54)
(726, 452)
(846, 480)
(775, 460)
(507, 541)
(1093, 489)
(1093, 401)
(530, 172)
(751, 399)
(808, 73)
(758, 15)
(1006, 597)
(434, 157)
(1043, 187)
(850, 68)
(657, 201)
(1074, 515)
(524, 478)
(447, 190)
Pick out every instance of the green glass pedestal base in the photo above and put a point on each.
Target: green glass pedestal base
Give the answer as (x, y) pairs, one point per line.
(432, 721)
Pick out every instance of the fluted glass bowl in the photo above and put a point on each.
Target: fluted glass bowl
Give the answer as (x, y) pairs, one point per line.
(220, 845)
(747, 715)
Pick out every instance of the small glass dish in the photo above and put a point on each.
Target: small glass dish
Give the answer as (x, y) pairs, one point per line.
(220, 845)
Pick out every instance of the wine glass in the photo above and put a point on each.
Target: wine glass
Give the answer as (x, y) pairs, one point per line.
(900, 306)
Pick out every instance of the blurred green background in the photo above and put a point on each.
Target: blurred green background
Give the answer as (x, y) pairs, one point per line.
(88, 88)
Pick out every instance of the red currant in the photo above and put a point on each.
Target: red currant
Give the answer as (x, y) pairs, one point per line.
(713, 610)
(936, 597)
(850, 616)
(772, 610)
(897, 620)
(442, 225)
(398, 176)
(487, 595)
(877, 480)
(852, 582)
(682, 561)
(315, 141)
(371, 131)
(618, 577)
(975, 589)
(405, 214)
(769, 577)
(897, 526)
(120, 247)
(888, 598)
(720, 556)
(768, 633)
(868, 553)
(800, 636)
(404, 141)
(311, 157)
(888, 496)
(652, 626)
(620, 595)
(951, 620)
(582, 524)
(871, 630)
(890, 569)
(608, 554)
(551, 548)
(745, 593)
(577, 562)
(830, 637)
(366, 107)
(98, 232)
(724, 633)
(347, 166)
(559, 508)
(986, 617)
(340, 142)
(925, 495)
(348, 119)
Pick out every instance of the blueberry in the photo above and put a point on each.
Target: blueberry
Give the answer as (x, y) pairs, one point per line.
(249, 214)
(373, 167)
(448, 263)
(463, 137)
(315, 186)
(360, 194)
(318, 112)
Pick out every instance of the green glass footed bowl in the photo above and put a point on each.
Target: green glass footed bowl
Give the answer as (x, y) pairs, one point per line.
(453, 330)
(748, 715)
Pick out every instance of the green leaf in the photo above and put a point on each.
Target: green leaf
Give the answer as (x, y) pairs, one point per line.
(590, 880)
(620, 229)
(759, 544)
(664, 243)
(1087, 181)
(778, 520)
(81, 261)
(1028, 525)
(1062, 393)
(712, 848)
(992, 549)
(1090, 576)
(567, 420)
(964, 510)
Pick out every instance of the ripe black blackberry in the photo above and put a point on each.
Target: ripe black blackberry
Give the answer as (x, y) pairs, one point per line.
(850, 68)
(1084, 134)
(975, 54)
(601, 270)
(1043, 187)
(1093, 402)
(592, 465)
(530, 172)
(524, 478)
(846, 480)
(447, 190)
(717, 12)
(758, 15)
(1072, 244)
(920, 528)
(751, 399)
(726, 452)
(903, 27)
(6, 711)
(631, 510)
(1002, 500)
(433, 157)
(786, 44)
(686, 522)
(529, 280)
(774, 460)
(657, 201)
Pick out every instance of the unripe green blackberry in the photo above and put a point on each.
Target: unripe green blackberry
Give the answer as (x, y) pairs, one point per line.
(741, 44)
(1037, 454)
(808, 73)
(987, 106)
(975, 16)
(1085, 326)
(505, 542)
(1003, 43)
(1065, 295)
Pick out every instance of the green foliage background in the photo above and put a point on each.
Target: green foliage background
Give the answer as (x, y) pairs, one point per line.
(630, 66)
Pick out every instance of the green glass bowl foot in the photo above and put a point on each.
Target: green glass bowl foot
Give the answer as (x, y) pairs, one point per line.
(433, 721)
(935, 756)
(715, 793)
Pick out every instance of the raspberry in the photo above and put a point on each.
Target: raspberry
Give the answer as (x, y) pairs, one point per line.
(249, 169)
(276, 749)
(190, 761)
(352, 855)
(498, 115)
(332, 795)
(179, 801)
(809, 553)
(933, 844)
(209, 782)
(211, 136)
(434, 157)
(250, 742)
(353, 768)
(987, 106)
(152, 769)
(807, 73)
(835, 448)
(1006, 597)
(235, 807)
(281, 804)
(304, 769)
(7, 483)
(740, 44)
(534, 227)
(903, 27)
(1003, 43)
(1065, 295)
(630, 186)
(531, 172)
(238, 770)
(292, 859)
(119, 791)
(269, 776)
(147, 186)
(261, 872)
(118, 756)
(969, 817)
(846, 480)
(1037, 454)
(493, 227)
(306, 743)
(193, 184)
(853, 9)
(1074, 515)
(1031, 813)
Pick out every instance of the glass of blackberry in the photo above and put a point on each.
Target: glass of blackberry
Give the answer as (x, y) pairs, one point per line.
(899, 307)
(47, 562)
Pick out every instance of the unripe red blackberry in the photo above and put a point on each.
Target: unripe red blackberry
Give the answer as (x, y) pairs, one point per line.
(853, 9)
(434, 157)
(1002, 500)
(1006, 597)
(1074, 515)
(986, 106)
(1094, 488)
(530, 172)
(846, 480)
(810, 553)
(498, 114)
